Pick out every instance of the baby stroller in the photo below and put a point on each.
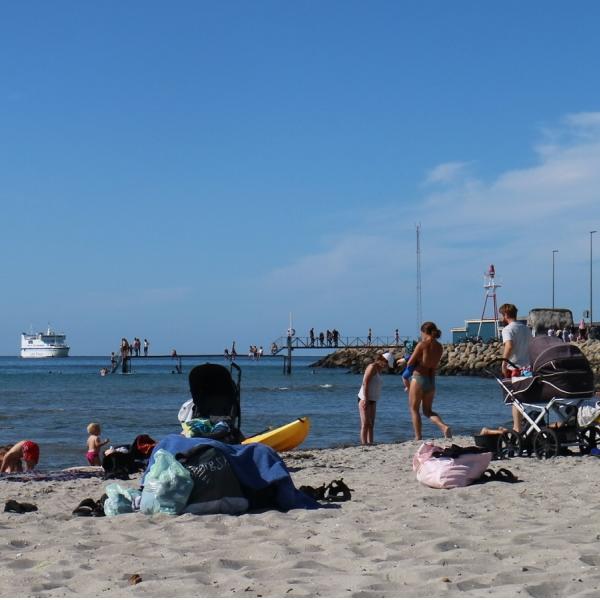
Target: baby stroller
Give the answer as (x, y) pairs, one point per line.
(559, 382)
(216, 397)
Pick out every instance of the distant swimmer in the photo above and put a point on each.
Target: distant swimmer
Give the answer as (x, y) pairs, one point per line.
(178, 368)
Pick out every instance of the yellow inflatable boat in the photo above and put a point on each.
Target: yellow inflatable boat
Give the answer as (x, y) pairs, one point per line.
(286, 437)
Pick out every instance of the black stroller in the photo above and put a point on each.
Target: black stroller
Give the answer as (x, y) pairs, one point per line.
(560, 381)
(216, 397)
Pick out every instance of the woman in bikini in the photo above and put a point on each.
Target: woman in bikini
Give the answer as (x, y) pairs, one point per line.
(425, 360)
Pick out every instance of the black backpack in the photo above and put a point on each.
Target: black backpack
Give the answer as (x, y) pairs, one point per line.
(216, 486)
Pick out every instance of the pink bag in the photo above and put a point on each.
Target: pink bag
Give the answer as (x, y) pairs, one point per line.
(445, 472)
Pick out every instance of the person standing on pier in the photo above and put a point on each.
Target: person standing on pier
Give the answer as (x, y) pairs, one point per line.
(146, 346)
(369, 337)
(369, 394)
(336, 336)
(125, 353)
(311, 334)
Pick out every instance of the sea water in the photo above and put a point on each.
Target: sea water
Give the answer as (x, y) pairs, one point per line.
(51, 401)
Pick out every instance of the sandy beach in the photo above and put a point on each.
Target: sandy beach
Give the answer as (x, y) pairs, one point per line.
(395, 537)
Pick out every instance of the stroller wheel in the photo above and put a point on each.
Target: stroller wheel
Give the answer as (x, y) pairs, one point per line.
(510, 444)
(545, 443)
(588, 438)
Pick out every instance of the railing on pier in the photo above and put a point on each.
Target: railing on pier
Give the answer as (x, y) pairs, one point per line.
(295, 342)
(283, 347)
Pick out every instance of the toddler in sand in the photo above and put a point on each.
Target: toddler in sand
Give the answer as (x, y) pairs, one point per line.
(94, 443)
(407, 373)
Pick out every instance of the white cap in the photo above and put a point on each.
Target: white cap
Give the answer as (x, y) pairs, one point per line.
(389, 356)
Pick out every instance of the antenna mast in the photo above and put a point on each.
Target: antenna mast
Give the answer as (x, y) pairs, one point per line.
(419, 300)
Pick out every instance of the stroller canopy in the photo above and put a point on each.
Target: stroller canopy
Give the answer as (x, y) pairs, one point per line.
(214, 392)
(561, 367)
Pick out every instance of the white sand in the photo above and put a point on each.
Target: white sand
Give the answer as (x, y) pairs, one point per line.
(394, 538)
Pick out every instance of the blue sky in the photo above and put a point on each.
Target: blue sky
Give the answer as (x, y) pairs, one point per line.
(192, 172)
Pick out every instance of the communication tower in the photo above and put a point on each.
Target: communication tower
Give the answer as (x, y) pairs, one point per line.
(419, 298)
(490, 287)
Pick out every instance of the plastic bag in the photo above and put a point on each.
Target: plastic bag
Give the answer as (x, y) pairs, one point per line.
(120, 500)
(205, 428)
(167, 486)
(186, 411)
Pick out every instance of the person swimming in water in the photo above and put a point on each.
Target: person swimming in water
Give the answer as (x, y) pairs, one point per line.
(425, 359)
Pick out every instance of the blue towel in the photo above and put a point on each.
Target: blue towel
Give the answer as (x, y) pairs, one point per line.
(256, 466)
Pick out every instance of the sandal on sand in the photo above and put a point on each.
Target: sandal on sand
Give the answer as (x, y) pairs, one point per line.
(487, 475)
(19, 507)
(338, 491)
(506, 476)
(90, 508)
(314, 493)
(500, 475)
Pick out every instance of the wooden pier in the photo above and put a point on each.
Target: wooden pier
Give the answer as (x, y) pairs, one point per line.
(282, 347)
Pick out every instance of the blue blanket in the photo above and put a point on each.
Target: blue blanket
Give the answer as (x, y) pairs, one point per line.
(256, 466)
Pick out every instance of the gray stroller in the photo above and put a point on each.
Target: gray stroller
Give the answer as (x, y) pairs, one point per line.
(560, 382)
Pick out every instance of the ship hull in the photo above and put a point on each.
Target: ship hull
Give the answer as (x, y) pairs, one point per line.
(44, 352)
(44, 345)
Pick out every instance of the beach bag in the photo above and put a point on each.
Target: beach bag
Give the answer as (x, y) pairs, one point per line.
(216, 487)
(118, 463)
(446, 472)
(167, 486)
(120, 500)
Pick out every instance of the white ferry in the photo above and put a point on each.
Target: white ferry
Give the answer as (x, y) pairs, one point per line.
(44, 345)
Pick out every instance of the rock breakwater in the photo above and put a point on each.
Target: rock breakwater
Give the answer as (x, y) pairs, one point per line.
(466, 359)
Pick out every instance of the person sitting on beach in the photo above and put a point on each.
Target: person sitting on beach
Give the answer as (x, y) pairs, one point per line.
(500, 430)
(94, 443)
(425, 360)
(493, 430)
(22, 456)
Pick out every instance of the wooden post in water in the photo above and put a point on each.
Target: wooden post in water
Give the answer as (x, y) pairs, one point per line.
(287, 365)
